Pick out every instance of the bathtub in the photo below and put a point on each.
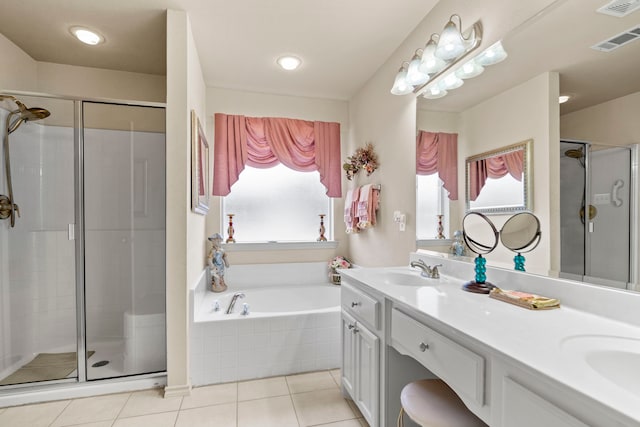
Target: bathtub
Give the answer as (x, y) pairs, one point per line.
(290, 328)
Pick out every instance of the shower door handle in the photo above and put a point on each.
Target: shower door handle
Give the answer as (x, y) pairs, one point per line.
(72, 231)
(618, 184)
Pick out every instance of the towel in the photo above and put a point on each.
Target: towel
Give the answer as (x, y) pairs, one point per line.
(367, 206)
(350, 203)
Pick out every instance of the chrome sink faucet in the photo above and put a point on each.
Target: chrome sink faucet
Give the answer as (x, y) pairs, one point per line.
(427, 271)
(233, 302)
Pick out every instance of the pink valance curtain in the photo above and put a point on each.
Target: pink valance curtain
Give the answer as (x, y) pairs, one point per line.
(438, 152)
(494, 167)
(263, 142)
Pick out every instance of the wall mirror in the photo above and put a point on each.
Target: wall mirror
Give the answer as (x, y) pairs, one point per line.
(499, 181)
(199, 167)
(533, 48)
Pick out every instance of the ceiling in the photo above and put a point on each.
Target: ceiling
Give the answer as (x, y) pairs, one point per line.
(342, 44)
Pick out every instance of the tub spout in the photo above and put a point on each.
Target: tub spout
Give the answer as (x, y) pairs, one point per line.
(233, 301)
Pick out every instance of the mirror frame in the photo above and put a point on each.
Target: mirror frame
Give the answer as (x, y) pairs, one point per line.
(199, 167)
(527, 179)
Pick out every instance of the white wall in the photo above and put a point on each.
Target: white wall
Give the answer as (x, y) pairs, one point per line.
(88, 82)
(611, 123)
(185, 230)
(526, 111)
(267, 105)
(19, 70)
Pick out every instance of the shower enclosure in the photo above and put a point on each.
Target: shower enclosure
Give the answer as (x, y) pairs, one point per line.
(597, 193)
(82, 271)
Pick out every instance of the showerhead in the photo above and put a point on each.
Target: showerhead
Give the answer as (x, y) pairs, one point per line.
(25, 114)
(574, 153)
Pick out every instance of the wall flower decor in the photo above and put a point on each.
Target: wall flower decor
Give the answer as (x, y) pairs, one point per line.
(363, 159)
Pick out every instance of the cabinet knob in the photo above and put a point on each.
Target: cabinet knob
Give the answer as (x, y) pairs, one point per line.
(355, 304)
(423, 346)
(351, 326)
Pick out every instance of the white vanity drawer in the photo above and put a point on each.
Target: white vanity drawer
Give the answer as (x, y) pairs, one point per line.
(361, 305)
(458, 366)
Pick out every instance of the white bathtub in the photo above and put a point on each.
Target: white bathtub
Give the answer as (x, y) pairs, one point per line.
(290, 329)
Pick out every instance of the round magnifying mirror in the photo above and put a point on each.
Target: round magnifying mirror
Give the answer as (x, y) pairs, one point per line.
(481, 236)
(521, 234)
(479, 233)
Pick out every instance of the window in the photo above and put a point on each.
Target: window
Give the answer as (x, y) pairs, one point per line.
(431, 200)
(277, 204)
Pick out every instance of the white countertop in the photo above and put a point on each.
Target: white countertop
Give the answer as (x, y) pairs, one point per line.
(533, 338)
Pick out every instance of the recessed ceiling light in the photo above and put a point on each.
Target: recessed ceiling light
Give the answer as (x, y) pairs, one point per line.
(289, 62)
(563, 98)
(86, 35)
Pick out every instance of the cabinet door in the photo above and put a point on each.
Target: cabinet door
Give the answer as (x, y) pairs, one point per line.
(523, 408)
(367, 375)
(348, 354)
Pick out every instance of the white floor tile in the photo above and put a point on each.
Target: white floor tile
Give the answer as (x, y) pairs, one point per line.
(209, 416)
(165, 419)
(309, 382)
(210, 395)
(42, 414)
(149, 402)
(269, 412)
(92, 409)
(259, 389)
(321, 407)
(347, 423)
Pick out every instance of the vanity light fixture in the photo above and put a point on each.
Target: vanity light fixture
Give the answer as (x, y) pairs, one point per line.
(289, 62)
(443, 62)
(86, 35)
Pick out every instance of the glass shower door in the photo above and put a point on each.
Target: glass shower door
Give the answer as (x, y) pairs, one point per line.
(124, 200)
(38, 333)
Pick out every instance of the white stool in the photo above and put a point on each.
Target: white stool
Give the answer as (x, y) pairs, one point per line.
(432, 403)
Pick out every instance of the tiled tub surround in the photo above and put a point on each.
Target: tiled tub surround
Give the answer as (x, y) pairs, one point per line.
(293, 325)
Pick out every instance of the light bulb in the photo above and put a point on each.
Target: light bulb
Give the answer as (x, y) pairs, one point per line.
(492, 55)
(400, 85)
(430, 63)
(469, 69)
(289, 63)
(416, 77)
(450, 44)
(451, 81)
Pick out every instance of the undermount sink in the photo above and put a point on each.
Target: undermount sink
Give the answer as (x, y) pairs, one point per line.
(406, 276)
(614, 358)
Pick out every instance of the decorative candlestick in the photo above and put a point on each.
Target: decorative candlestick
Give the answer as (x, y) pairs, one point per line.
(440, 228)
(230, 230)
(322, 230)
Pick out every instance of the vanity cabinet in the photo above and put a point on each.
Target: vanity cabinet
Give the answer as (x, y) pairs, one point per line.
(460, 367)
(361, 351)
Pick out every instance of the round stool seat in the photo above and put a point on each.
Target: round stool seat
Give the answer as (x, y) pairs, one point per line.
(432, 403)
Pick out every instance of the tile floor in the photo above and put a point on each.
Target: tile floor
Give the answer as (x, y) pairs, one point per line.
(312, 399)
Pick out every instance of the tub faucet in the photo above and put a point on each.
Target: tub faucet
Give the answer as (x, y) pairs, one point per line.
(427, 271)
(233, 301)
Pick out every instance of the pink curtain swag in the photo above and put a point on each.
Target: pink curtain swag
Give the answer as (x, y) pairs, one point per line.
(264, 142)
(438, 152)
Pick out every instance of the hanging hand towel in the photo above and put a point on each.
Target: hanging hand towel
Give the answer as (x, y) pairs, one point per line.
(350, 203)
(364, 220)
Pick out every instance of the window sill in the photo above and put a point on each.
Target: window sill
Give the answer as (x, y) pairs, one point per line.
(427, 243)
(278, 246)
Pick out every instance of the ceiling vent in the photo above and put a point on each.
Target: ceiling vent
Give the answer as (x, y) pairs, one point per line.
(618, 40)
(620, 8)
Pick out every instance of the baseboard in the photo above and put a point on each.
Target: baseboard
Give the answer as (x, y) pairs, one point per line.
(177, 390)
